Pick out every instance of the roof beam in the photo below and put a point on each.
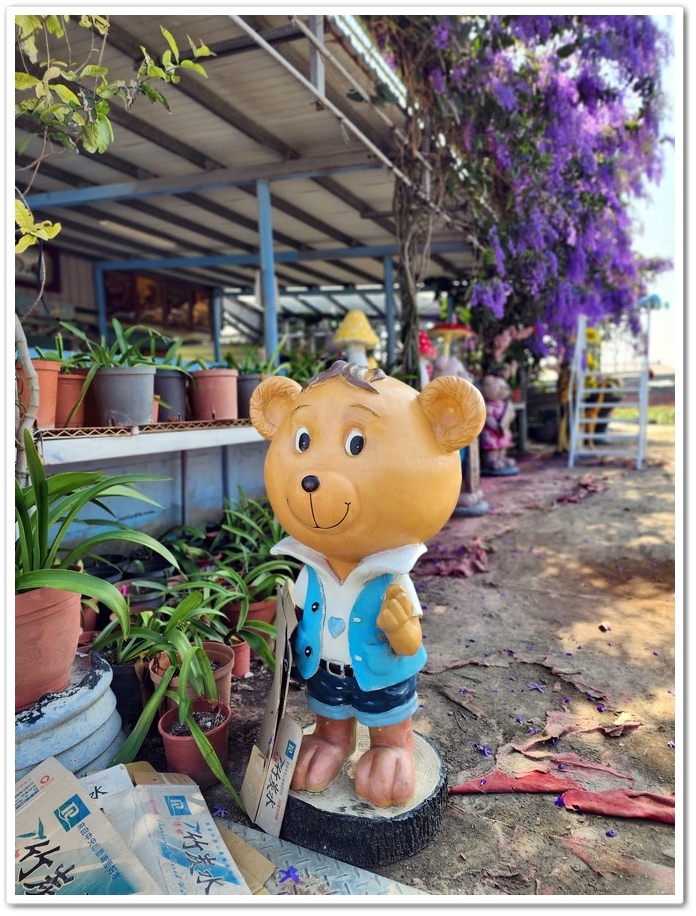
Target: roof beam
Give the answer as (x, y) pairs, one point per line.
(205, 181)
(281, 257)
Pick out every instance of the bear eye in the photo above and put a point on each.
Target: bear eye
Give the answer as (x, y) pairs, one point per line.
(355, 442)
(302, 439)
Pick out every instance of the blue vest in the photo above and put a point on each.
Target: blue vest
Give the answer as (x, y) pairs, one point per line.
(375, 663)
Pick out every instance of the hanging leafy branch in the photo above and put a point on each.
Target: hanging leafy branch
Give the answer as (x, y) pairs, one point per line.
(67, 102)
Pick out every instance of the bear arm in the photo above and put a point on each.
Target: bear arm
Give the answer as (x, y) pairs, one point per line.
(396, 621)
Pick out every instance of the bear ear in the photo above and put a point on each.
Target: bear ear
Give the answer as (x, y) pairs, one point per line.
(455, 409)
(271, 402)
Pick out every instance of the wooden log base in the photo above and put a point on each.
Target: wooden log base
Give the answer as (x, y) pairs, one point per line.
(337, 823)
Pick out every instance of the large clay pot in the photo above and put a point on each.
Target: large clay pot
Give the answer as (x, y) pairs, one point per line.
(70, 386)
(213, 394)
(182, 751)
(47, 631)
(124, 395)
(170, 385)
(48, 371)
(217, 652)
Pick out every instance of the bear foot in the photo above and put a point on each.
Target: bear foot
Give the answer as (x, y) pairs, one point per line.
(323, 754)
(385, 774)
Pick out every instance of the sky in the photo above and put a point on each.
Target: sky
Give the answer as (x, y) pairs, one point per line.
(661, 217)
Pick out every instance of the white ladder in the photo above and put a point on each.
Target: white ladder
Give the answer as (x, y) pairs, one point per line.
(625, 361)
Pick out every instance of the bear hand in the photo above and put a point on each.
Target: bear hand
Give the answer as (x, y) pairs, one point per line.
(397, 622)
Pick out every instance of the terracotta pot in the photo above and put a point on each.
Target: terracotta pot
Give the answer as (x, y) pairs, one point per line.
(213, 394)
(69, 391)
(242, 659)
(48, 371)
(258, 610)
(47, 631)
(182, 751)
(218, 652)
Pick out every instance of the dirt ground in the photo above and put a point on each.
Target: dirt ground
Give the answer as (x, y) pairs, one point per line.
(550, 629)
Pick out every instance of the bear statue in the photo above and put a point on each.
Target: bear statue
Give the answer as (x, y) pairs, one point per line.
(496, 436)
(361, 470)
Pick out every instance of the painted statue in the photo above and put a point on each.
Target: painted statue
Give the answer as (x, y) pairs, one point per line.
(360, 471)
(496, 437)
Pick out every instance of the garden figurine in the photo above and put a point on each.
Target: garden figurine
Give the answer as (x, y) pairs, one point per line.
(496, 437)
(361, 470)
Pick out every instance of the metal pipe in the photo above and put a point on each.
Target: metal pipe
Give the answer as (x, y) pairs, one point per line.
(323, 50)
(343, 120)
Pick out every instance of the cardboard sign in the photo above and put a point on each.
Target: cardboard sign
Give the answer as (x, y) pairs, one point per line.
(169, 828)
(64, 845)
(269, 771)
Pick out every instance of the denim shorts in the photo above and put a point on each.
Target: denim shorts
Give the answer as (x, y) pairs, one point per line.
(342, 698)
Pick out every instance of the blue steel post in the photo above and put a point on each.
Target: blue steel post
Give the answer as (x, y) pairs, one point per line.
(389, 311)
(100, 292)
(268, 286)
(217, 324)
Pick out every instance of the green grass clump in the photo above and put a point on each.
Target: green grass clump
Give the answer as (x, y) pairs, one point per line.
(662, 415)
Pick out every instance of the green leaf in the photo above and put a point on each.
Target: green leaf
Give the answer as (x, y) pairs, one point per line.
(93, 70)
(211, 758)
(192, 65)
(65, 94)
(25, 81)
(170, 41)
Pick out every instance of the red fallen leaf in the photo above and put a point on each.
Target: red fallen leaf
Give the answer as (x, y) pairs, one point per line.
(621, 803)
(498, 781)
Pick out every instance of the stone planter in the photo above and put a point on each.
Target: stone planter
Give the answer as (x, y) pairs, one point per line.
(79, 726)
(246, 385)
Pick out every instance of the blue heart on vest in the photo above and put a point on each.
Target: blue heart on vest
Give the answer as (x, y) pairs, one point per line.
(336, 626)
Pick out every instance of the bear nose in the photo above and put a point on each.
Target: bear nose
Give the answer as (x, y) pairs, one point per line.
(310, 483)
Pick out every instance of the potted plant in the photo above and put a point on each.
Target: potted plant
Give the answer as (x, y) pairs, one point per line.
(171, 381)
(48, 592)
(196, 689)
(248, 531)
(224, 589)
(212, 391)
(251, 367)
(122, 376)
(70, 406)
(199, 743)
(170, 627)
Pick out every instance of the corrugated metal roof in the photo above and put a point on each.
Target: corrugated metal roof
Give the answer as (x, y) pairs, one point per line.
(252, 118)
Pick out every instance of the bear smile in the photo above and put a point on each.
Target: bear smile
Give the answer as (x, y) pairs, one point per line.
(314, 518)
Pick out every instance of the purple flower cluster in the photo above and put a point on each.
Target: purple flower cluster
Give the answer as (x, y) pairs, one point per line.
(555, 124)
